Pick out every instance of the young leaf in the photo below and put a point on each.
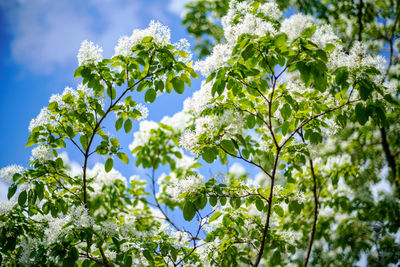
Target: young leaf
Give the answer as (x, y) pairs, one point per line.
(109, 164)
(123, 157)
(128, 126)
(150, 96)
(189, 211)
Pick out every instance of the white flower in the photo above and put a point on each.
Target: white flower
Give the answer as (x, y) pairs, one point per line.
(324, 35)
(5, 207)
(188, 141)
(143, 110)
(181, 238)
(42, 120)
(80, 216)
(103, 178)
(199, 100)
(160, 33)
(41, 153)
(189, 184)
(124, 46)
(184, 45)
(218, 58)
(7, 173)
(271, 10)
(295, 25)
(89, 53)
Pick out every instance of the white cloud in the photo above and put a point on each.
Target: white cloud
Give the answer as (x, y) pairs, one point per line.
(177, 6)
(47, 34)
(3, 191)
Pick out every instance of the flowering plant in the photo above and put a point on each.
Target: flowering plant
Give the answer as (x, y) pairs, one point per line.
(278, 93)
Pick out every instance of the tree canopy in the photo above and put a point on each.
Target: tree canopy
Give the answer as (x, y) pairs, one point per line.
(299, 99)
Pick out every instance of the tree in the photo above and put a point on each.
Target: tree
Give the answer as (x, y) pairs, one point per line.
(284, 96)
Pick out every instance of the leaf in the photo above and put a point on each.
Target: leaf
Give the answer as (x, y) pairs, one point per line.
(118, 124)
(109, 164)
(123, 157)
(215, 216)
(30, 143)
(361, 114)
(279, 210)
(11, 191)
(286, 111)
(208, 155)
(213, 201)
(178, 84)
(189, 211)
(228, 146)
(127, 125)
(150, 96)
(83, 141)
(22, 198)
(250, 122)
(259, 204)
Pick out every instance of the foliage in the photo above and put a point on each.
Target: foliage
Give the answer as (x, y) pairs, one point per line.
(313, 109)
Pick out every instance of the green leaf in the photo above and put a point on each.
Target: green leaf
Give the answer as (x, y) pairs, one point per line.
(250, 122)
(279, 210)
(22, 198)
(208, 155)
(111, 92)
(11, 191)
(178, 85)
(150, 96)
(30, 143)
(361, 114)
(109, 164)
(128, 126)
(222, 200)
(228, 146)
(286, 111)
(259, 204)
(213, 201)
(276, 258)
(123, 157)
(83, 141)
(215, 216)
(189, 211)
(118, 124)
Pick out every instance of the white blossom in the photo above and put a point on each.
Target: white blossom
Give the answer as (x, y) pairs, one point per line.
(324, 35)
(6, 206)
(89, 53)
(188, 141)
(143, 110)
(199, 100)
(124, 46)
(189, 184)
(270, 9)
(41, 153)
(181, 238)
(7, 173)
(184, 45)
(103, 178)
(218, 58)
(42, 120)
(295, 25)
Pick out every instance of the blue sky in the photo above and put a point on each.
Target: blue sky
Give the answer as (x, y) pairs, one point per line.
(40, 41)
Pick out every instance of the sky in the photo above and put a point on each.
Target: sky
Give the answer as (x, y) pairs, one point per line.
(39, 43)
